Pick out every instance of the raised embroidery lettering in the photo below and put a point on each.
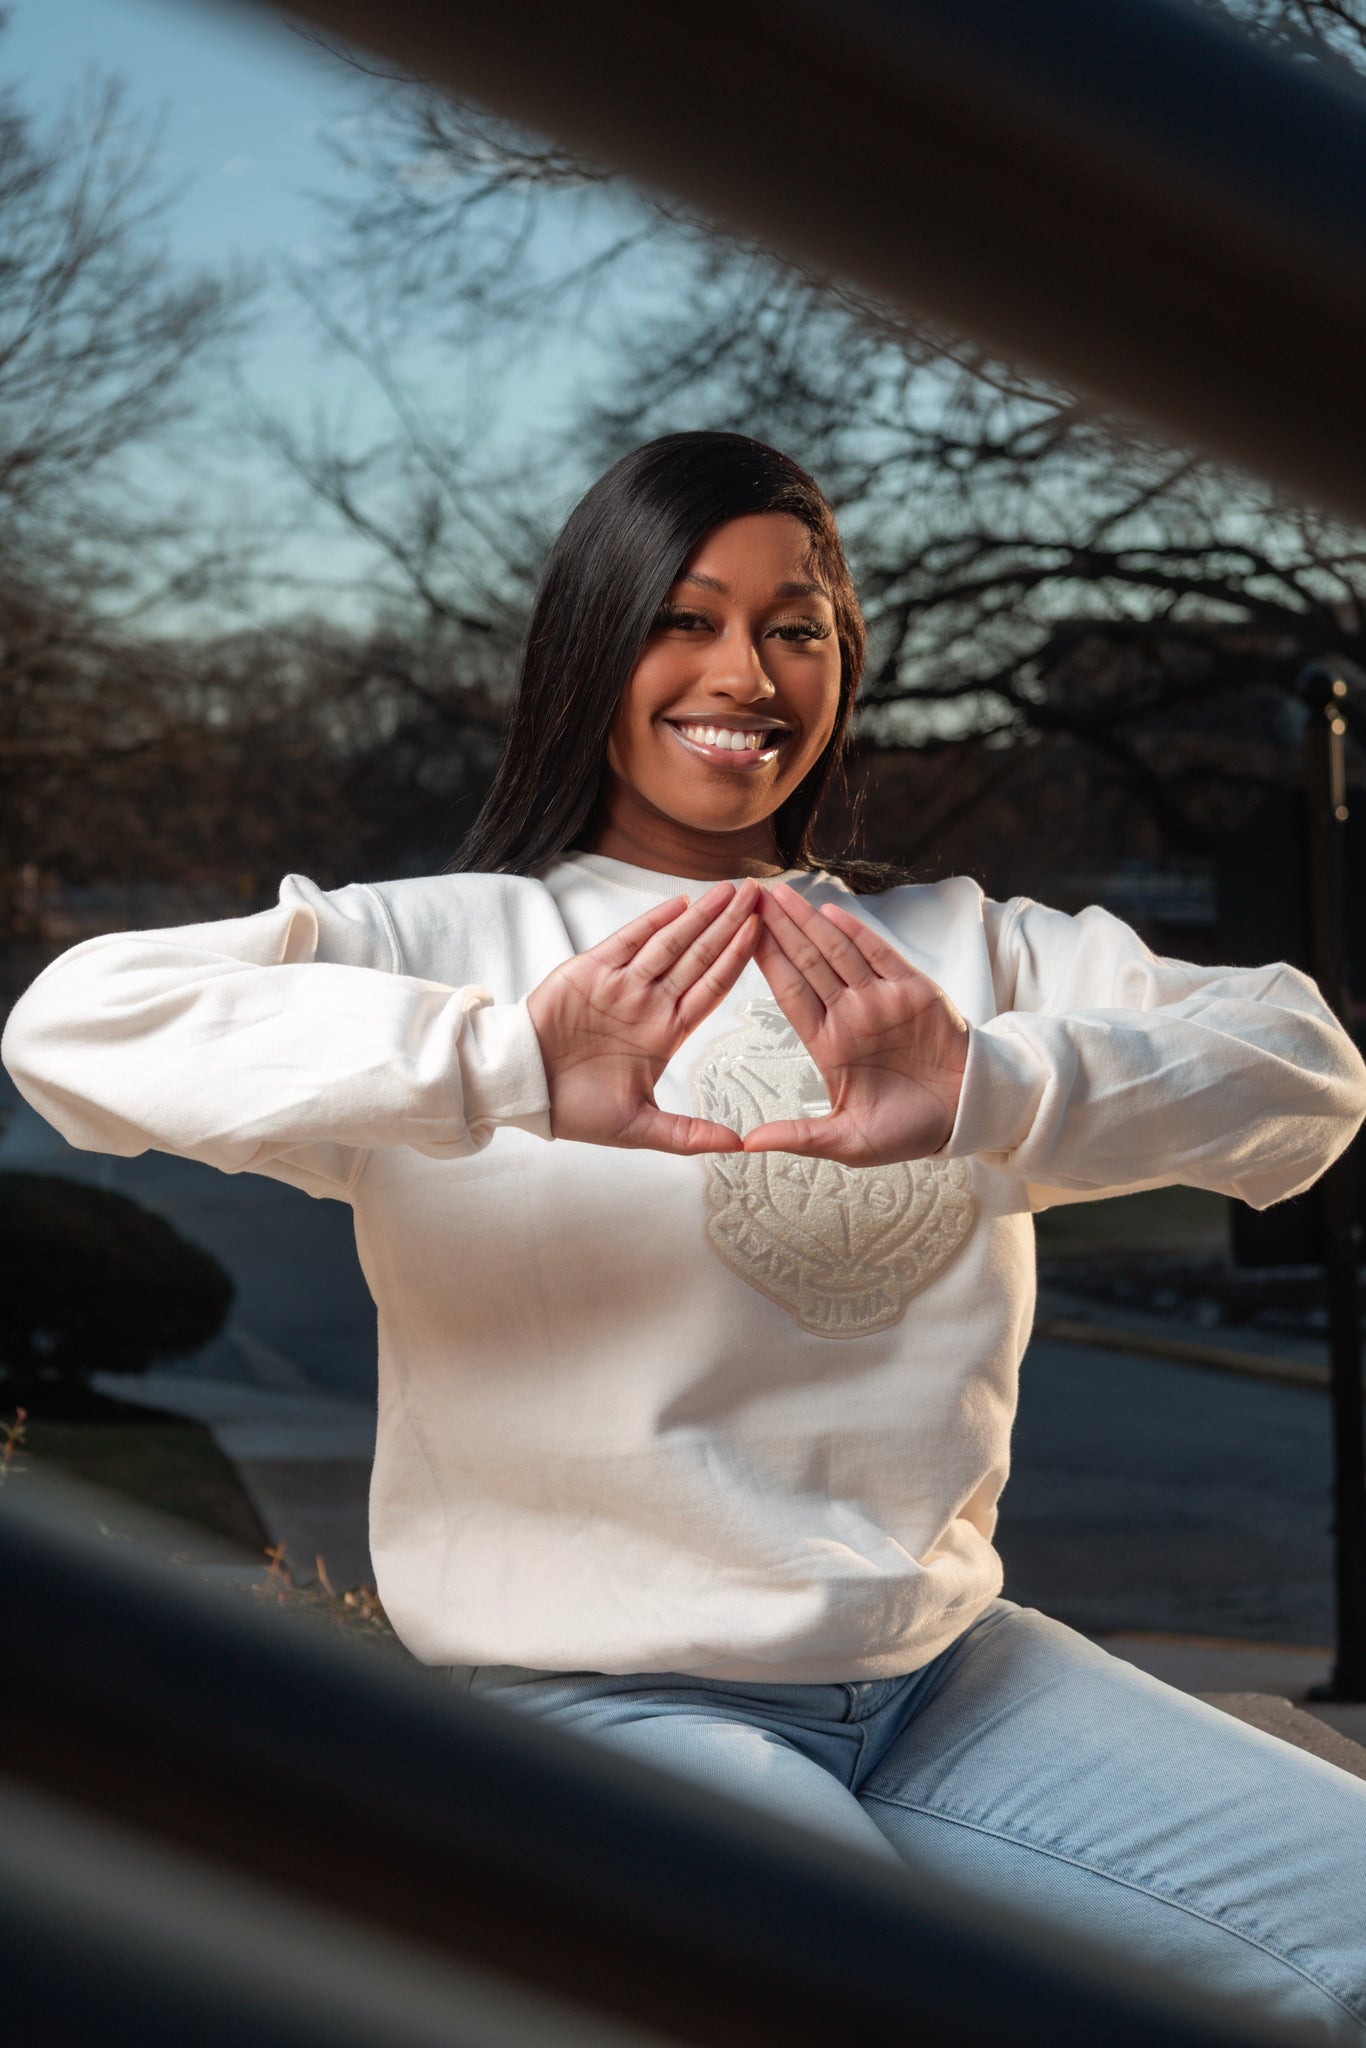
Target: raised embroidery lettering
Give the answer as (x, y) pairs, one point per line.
(842, 1249)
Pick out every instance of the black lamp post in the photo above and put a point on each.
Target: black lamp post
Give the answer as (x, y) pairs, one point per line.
(1322, 687)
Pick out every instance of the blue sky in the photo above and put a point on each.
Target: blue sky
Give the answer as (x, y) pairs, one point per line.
(247, 107)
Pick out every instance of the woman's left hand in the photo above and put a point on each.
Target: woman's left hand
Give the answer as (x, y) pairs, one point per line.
(889, 1044)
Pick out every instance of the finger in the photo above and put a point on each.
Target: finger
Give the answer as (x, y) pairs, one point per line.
(621, 946)
(653, 1129)
(795, 997)
(880, 955)
(810, 962)
(815, 1137)
(706, 992)
(709, 945)
(664, 947)
(831, 941)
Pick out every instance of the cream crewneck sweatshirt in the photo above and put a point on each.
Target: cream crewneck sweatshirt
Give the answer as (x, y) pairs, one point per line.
(745, 1417)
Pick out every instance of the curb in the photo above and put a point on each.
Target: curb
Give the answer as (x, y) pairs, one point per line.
(1287, 1372)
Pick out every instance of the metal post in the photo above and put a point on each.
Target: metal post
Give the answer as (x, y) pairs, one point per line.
(1322, 687)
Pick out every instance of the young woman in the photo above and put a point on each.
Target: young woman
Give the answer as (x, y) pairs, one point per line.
(694, 1183)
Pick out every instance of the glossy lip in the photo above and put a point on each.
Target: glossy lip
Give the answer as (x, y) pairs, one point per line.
(727, 757)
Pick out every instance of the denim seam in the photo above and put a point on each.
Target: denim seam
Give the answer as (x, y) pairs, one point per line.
(857, 1766)
(1347, 2001)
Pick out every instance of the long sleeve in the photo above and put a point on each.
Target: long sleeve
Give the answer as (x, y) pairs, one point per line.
(1110, 1068)
(288, 1043)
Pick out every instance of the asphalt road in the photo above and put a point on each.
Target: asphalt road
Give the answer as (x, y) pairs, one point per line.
(1145, 1494)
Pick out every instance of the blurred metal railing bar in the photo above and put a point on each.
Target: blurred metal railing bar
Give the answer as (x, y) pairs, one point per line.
(1132, 197)
(108, 1940)
(1324, 687)
(385, 1796)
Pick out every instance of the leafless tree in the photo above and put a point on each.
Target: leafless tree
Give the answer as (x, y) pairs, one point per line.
(104, 346)
(1046, 585)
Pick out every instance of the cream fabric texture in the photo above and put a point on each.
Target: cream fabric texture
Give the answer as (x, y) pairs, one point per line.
(741, 1417)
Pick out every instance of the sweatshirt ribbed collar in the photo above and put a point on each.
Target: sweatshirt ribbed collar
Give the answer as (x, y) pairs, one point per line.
(649, 883)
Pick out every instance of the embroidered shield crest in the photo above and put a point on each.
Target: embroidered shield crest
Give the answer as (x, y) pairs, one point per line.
(841, 1248)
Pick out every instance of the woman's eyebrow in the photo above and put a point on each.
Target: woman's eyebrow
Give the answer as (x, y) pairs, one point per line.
(804, 589)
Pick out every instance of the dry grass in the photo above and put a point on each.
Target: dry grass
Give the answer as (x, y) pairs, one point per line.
(356, 1612)
(178, 1470)
(12, 1436)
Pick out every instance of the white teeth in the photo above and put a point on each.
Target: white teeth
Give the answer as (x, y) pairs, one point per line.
(727, 738)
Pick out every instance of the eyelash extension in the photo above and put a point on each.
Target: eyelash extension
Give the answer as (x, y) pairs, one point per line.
(813, 629)
(671, 615)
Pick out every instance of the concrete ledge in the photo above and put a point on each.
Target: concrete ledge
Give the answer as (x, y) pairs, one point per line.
(1292, 1724)
(1221, 1668)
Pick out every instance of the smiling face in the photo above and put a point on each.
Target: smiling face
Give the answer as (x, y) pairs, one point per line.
(728, 708)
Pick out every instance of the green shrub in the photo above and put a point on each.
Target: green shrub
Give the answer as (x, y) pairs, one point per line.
(91, 1281)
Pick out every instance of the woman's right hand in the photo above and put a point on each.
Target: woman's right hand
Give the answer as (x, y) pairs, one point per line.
(610, 1020)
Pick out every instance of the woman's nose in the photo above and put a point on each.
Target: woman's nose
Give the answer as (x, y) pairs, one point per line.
(738, 669)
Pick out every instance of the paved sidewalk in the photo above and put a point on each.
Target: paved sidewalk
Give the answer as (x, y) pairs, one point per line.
(303, 1457)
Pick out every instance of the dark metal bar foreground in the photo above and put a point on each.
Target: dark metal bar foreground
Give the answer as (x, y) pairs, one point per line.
(1131, 196)
(1323, 687)
(108, 1940)
(379, 1796)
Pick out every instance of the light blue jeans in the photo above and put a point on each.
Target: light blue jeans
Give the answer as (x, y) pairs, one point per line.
(1029, 1766)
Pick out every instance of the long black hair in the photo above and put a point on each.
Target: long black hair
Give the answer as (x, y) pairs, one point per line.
(605, 578)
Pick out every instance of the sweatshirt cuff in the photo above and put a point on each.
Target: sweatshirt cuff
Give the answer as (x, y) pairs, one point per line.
(502, 1073)
(1003, 1083)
